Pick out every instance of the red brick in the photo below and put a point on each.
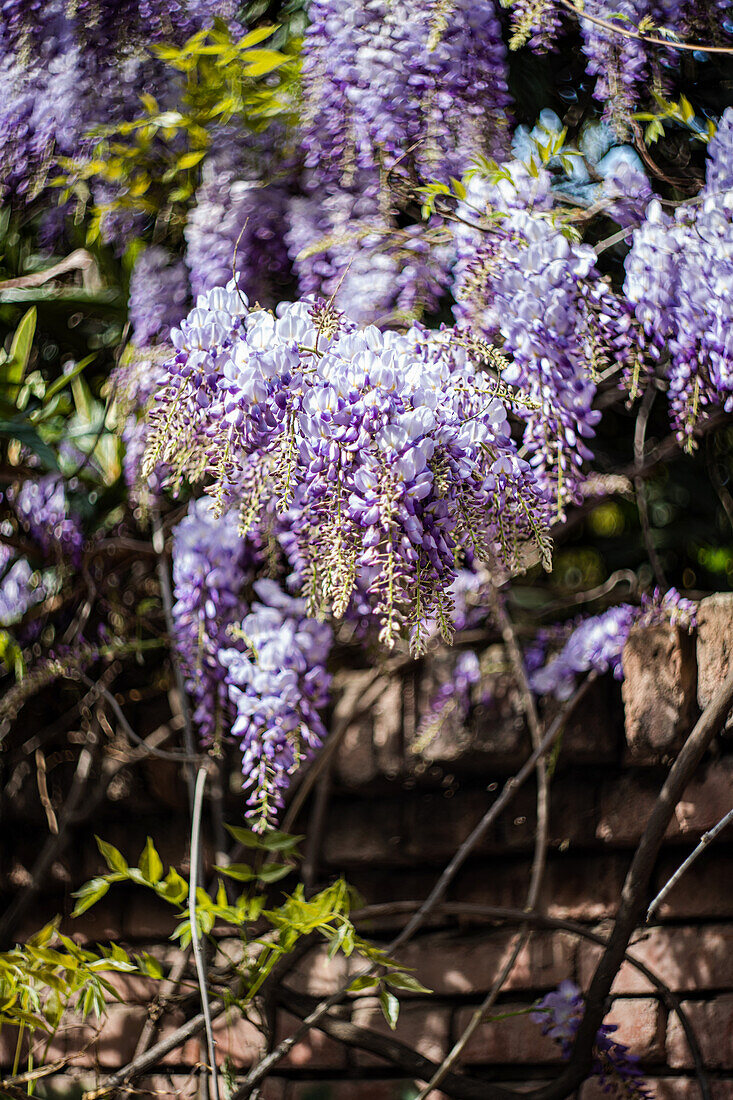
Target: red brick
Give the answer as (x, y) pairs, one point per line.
(712, 1022)
(641, 1025)
(714, 645)
(238, 1039)
(684, 958)
(517, 1040)
(659, 690)
(120, 1033)
(318, 975)
(421, 1026)
(593, 733)
(448, 964)
(315, 1050)
(149, 918)
(190, 1053)
(581, 887)
(703, 891)
(704, 802)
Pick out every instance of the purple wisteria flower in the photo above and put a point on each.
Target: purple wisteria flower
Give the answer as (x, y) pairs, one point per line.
(42, 508)
(678, 281)
(159, 295)
(381, 85)
(560, 1014)
(392, 451)
(236, 224)
(211, 565)
(598, 642)
(522, 283)
(277, 685)
(20, 587)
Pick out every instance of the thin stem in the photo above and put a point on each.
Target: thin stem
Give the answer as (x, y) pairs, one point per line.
(510, 789)
(642, 503)
(198, 951)
(705, 840)
(617, 28)
(540, 843)
(167, 598)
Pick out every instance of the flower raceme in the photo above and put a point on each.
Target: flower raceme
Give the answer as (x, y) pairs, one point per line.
(392, 451)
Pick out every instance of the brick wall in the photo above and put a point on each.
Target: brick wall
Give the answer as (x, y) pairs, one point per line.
(393, 818)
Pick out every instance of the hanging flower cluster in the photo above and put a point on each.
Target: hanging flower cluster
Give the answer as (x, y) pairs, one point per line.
(256, 674)
(560, 1014)
(211, 565)
(678, 280)
(42, 508)
(598, 642)
(236, 223)
(277, 682)
(520, 282)
(392, 451)
(159, 295)
(66, 66)
(392, 100)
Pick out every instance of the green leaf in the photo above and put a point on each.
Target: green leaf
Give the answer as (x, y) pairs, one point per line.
(150, 863)
(25, 433)
(174, 888)
(239, 871)
(261, 62)
(20, 349)
(150, 966)
(390, 1007)
(367, 981)
(112, 857)
(60, 383)
(190, 160)
(269, 842)
(255, 37)
(400, 980)
(89, 895)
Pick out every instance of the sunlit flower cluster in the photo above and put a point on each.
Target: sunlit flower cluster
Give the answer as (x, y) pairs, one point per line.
(393, 451)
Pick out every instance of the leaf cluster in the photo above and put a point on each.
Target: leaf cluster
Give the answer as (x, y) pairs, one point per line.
(151, 164)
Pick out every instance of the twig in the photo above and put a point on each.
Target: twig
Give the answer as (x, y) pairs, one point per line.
(79, 260)
(198, 951)
(167, 598)
(617, 28)
(511, 788)
(74, 811)
(631, 909)
(383, 1046)
(719, 485)
(162, 754)
(541, 920)
(706, 839)
(53, 825)
(642, 503)
(539, 858)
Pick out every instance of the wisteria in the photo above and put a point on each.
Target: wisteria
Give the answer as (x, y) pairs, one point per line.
(560, 1014)
(382, 85)
(677, 279)
(343, 248)
(277, 683)
(158, 296)
(393, 451)
(211, 565)
(520, 281)
(236, 223)
(42, 508)
(20, 587)
(598, 642)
